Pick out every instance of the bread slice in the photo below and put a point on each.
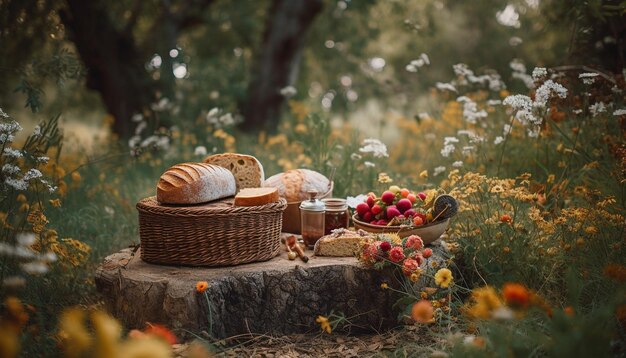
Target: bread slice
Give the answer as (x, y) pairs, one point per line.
(256, 196)
(247, 170)
(194, 183)
(341, 243)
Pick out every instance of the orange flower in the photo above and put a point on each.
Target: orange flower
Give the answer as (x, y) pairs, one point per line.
(616, 272)
(516, 295)
(162, 332)
(422, 311)
(569, 310)
(202, 286)
(506, 218)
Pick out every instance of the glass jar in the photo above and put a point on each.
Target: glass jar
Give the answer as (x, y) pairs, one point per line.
(337, 215)
(312, 219)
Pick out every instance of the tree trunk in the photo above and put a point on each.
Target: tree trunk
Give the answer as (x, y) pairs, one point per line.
(115, 65)
(277, 63)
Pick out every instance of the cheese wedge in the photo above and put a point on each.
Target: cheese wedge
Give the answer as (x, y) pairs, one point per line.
(256, 196)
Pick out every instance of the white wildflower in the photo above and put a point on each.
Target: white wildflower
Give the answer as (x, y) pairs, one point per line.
(32, 174)
(447, 150)
(502, 313)
(213, 113)
(414, 65)
(545, 90)
(37, 131)
(578, 111)
(134, 141)
(445, 87)
(471, 114)
(517, 65)
(588, 77)
(109, 210)
(467, 150)
(449, 140)
(35, 268)
(423, 115)
(369, 164)
(25, 238)
(597, 108)
(10, 169)
(439, 170)
(17, 184)
(49, 257)
(162, 105)
(374, 146)
(140, 127)
(506, 129)
(3, 114)
(465, 132)
(539, 73)
(355, 156)
(526, 78)
(457, 164)
(462, 70)
(13, 153)
(498, 140)
(288, 91)
(43, 160)
(10, 127)
(620, 112)
(353, 201)
(200, 151)
(227, 120)
(494, 102)
(137, 117)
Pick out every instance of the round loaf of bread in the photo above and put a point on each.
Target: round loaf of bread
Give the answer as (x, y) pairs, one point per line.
(293, 185)
(195, 183)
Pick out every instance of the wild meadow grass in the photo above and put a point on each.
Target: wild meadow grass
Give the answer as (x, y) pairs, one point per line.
(539, 240)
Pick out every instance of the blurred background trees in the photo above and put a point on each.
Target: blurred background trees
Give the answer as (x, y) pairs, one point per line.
(247, 57)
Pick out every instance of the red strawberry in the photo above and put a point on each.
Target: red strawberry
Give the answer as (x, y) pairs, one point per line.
(361, 209)
(403, 205)
(388, 197)
(370, 201)
(376, 209)
(367, 217)
(381, 222)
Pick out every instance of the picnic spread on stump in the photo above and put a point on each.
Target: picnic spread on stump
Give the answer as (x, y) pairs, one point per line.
(271, 254)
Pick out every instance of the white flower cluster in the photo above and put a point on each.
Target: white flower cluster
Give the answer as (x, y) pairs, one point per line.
(445, 87)
(597, 108)
(448, 146)
(438, 170)
(466, 76)
(36, 263)
(374, 146)
(544, 92)
(471, 114)
(620, 112)
(414, 65)
(218, 119)
(588, 77)
(519, 72)
(288, 91)
(539, 73)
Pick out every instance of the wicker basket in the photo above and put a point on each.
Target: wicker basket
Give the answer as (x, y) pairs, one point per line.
(428, 233)
(214, 234)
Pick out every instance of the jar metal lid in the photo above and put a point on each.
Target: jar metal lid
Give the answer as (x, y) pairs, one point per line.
(335, 204)
(313, 204)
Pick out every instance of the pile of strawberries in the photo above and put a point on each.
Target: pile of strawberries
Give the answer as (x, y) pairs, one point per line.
(397, 206)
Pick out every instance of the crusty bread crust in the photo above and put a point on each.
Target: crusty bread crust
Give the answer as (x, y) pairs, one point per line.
(248, 171)
(195, 183)
(256, 196)
(293, 185)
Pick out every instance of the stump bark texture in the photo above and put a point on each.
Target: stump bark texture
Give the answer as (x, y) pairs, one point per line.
(275, 297)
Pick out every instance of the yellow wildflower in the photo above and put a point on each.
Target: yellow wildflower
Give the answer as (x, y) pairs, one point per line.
(485, 302)
(415, 276)
(56, 203)
(75, 338)
(550, 179)
(324, 324)
(21, 198)
(108, 332)
(424, 174)
(143, 348)
(384, 285)
(443, 278)
(384, 178)
(76, 178)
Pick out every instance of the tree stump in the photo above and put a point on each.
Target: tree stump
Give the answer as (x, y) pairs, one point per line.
(275, 297)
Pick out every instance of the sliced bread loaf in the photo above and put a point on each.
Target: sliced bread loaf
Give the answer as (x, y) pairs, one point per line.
(341, 243)
(194, 183)
(256, 196)
(248, 171)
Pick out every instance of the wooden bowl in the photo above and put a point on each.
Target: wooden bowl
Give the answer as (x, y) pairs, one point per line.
(428, 233)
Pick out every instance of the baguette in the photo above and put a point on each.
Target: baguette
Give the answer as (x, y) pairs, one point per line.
(194, 183)
(248, 171)
(256, 196)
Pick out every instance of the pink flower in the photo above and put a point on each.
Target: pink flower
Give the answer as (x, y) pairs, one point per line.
(371, 251)
(409, 266)
(396, 254)
(385, 246)
(419, 259)
(414, 242)
(428, 252)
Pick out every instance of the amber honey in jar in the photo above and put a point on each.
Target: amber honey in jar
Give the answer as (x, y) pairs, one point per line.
(337, 215)
(312, 219)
